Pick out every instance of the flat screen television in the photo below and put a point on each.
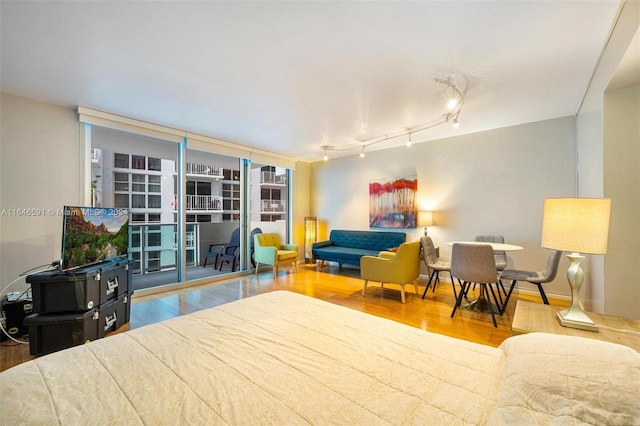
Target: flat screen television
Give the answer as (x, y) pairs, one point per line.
(93, 234)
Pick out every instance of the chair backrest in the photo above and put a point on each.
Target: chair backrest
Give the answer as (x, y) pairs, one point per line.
(254, 231)
(500, 256)
(407, 262)
(473, 263)
(235, 237)
(268, 240)
(428, 250)
(551, 268)
(234, 242)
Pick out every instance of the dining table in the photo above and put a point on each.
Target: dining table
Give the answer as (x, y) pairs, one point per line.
(482, 302)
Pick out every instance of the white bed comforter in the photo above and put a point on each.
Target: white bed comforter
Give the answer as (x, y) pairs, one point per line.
(283, 358)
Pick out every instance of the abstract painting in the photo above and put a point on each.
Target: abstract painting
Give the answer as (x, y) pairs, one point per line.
(392, 203)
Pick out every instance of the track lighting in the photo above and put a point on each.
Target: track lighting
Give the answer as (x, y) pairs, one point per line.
(454, 107)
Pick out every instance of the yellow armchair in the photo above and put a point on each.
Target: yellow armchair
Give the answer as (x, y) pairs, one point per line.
(269, 250)
(402, 267)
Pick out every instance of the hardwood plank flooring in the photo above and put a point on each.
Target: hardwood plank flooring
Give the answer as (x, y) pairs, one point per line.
(339, 286)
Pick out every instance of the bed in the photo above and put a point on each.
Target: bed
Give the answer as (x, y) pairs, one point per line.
(285, 358)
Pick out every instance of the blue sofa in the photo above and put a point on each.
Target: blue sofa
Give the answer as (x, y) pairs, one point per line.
(347, 247)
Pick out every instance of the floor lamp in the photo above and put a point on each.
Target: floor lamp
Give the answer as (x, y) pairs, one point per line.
(576, 225)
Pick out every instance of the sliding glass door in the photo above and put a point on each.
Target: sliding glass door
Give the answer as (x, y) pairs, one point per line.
(139, 173)
(194, 202)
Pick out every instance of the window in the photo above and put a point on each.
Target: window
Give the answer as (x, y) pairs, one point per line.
(155, 183)
(155, 164)
(138, 217)
(121, 200)
(138, 162)
(121, 161)
(121, 181)
(138, 183)
(155, 201)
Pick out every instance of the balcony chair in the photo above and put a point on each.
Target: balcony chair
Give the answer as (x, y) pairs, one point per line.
(254, 231)
(434, 265)
(402, 267)
(232, 253)
(538, 278)
(269, 250)
(216, 251)
(475, 264)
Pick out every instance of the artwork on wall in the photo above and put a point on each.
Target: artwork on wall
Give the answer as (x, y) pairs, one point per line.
(392, 203)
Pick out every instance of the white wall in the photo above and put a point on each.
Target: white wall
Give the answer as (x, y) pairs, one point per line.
(41, 168)
(491, 182)
(590, 141)
(622, 185)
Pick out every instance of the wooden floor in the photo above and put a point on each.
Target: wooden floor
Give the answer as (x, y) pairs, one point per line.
(338, 286)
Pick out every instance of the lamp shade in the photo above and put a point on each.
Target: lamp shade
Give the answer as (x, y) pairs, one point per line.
(578, 225)
(425, 218)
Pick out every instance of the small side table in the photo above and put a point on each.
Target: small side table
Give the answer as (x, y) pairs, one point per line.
(532, 317)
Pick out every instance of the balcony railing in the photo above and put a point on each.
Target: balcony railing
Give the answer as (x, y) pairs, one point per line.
(154, 247)
(204, 170)
(272, 178)
(201, 202)
(269, 206)
(204, 202)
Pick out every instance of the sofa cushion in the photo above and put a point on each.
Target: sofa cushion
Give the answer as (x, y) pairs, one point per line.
(367, 240)
(342, 254)
(287, 254)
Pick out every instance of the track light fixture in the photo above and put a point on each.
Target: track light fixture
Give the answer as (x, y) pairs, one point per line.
(451, 114)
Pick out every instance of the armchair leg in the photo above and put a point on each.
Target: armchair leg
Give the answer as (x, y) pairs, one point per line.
(257, 265)
(364, 286)
(402, 292)
(295, 265)
(275, 271)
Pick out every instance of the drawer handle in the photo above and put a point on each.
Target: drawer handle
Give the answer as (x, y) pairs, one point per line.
(109, 320)
(112, 285)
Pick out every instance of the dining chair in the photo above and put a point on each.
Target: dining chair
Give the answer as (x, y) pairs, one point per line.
(538, 278)
(500, 257)
(475, 264)
(435, 265)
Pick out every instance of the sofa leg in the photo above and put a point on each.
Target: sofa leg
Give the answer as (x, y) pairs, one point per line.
(364, 286)
(275, 271)
(257, 265)
(321, 264)
(295, 266)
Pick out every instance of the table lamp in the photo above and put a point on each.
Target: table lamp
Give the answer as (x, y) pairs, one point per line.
(576, 225)
(425, 218)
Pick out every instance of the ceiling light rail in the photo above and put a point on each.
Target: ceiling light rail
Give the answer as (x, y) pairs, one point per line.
(454, 107)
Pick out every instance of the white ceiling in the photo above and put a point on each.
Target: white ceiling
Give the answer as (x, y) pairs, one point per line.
(290, 77)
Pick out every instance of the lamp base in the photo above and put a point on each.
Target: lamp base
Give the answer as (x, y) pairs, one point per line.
(573, 319)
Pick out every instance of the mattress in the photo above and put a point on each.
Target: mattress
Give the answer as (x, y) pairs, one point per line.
(284, 358)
